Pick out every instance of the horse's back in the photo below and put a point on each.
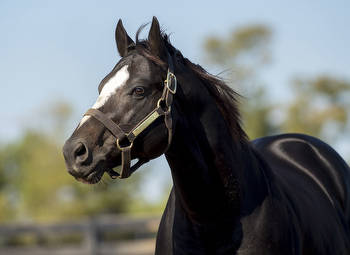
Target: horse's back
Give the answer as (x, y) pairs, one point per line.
(314, 181)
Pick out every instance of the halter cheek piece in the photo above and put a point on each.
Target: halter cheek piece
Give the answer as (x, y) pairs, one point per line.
(163, 109)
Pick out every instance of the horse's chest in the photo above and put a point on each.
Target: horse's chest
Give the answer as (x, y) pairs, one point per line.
(188, 238)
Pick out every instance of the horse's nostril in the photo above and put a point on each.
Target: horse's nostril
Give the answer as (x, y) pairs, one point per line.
(80, 150)
(80, 153)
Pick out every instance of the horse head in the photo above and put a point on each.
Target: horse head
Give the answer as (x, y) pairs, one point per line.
(131, 118)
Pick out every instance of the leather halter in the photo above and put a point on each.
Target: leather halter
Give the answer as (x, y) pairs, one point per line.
(163, 109)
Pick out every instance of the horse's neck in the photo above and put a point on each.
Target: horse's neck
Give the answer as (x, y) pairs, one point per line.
(210, 171)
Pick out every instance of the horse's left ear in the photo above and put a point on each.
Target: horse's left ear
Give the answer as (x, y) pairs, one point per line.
(155, 39)
(122, 39)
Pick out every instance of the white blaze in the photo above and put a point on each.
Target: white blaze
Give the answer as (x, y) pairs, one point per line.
(109, 89)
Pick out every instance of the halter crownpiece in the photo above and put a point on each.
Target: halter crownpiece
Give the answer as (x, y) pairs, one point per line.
(163, 108)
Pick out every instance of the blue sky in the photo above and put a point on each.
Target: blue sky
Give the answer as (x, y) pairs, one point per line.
(60, 50)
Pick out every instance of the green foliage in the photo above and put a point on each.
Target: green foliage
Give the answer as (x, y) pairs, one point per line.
(317, 103)
(256, 114)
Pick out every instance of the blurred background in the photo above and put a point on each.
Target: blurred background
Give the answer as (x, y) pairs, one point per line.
(289, 61)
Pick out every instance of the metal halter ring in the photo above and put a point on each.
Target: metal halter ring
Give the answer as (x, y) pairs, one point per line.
(125, 147)
(159, 106)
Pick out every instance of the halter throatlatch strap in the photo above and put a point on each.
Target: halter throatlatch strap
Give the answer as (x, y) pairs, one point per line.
(163, 109)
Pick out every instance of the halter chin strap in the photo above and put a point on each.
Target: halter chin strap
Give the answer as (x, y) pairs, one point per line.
(163, 109)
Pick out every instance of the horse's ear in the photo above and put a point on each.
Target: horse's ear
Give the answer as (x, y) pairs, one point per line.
(122, 39)
(155, 39)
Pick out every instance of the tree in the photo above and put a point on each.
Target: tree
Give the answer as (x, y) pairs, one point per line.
(320, 107)
(6, 206)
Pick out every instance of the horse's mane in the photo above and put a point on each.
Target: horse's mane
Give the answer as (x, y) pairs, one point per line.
(226, 98)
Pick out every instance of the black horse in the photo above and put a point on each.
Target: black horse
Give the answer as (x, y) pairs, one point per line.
(284, 194)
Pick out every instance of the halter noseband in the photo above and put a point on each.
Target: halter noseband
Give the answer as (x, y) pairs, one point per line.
(163, 108)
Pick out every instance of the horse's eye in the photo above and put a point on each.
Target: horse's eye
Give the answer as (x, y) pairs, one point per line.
(139, 91)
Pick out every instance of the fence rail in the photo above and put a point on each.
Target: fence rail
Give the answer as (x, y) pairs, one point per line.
(105, 235)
